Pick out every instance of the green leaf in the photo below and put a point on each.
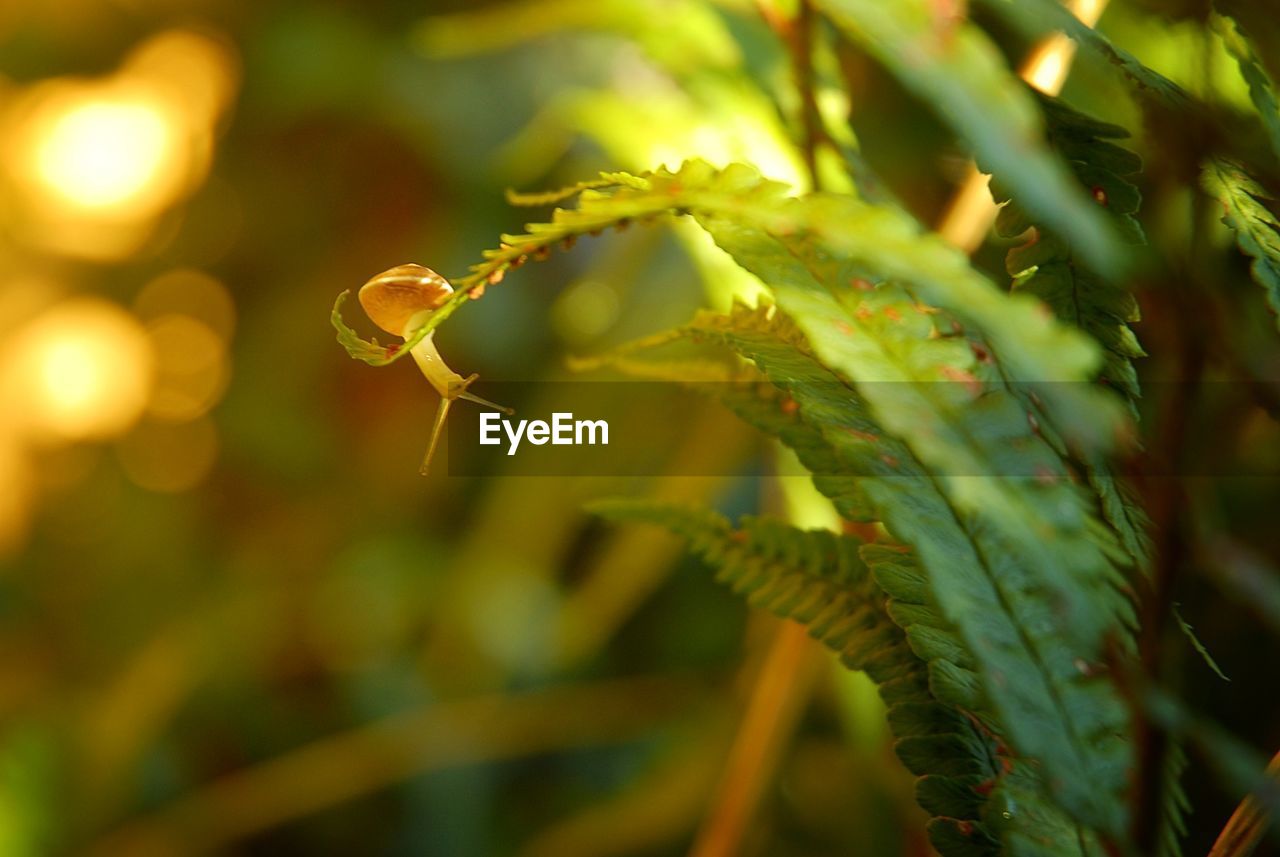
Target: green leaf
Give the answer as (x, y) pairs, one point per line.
(822, 580)
(888, 377)
(552, 197)
(1046, 266)
(874, 243)
(1005, 555)
(368, 351)
(1006, 607)
(767, 338)
(1262, 89)
(1256, 228)
(1196, 644)
(687, 34)
(1039, 17)
(958, 70)
(1174, 805)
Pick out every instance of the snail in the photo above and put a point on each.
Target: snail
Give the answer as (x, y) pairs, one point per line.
(399, 301)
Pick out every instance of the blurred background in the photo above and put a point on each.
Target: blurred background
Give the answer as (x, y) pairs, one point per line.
(234, 619)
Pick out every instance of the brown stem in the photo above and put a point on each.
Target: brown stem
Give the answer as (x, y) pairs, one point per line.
(1166, 500)
(1246, 825)
(801, 44)
(777, 700)
(797, 34)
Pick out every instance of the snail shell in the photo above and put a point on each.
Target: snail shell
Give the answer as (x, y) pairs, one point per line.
(394, 297)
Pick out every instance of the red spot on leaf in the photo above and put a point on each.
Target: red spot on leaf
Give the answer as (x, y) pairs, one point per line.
(862, 285)
(1099, 195)
(867, 532)
(892, 314)
(962, 376)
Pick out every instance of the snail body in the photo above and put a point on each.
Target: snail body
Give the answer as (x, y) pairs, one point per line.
(400, 300)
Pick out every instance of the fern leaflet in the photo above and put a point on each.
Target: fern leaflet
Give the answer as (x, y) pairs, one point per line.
(1256, 229)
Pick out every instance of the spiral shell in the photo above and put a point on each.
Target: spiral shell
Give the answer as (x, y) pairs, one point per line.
(394, 297)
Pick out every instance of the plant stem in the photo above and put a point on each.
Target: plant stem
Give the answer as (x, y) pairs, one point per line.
(1166, 499)
(1246, 825)
(777, 700)
(801, 44)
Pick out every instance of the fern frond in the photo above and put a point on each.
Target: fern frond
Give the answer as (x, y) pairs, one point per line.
(566, 226)
(552, 197)
(1046, 266)
(955, 67)
(1256, 229)
(991, 595)
(364, 350)
(1037, 17)
(1174, 805)
(763, 335)
(1262, 89)
(822, 580)
(1014, 554)
(872, 243)
(983, 580)
(1197, 644)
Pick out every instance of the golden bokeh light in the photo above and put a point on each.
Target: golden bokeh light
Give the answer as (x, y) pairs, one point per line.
(94, 162)
(103, 152)
(169, 458)
(81, 370)
(585, 310)
(186, 291)
(191, 368)
(15, 491)
(194, 71)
